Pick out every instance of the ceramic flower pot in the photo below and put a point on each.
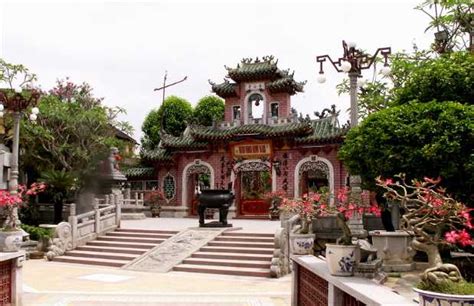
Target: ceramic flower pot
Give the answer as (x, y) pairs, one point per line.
(11, 241)
(301, 244)
(342, 259)
(428, 298)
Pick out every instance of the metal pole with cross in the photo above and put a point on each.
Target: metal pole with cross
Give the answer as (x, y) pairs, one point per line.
(164, 89)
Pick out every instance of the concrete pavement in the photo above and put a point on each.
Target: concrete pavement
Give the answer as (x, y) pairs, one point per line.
(55, 283)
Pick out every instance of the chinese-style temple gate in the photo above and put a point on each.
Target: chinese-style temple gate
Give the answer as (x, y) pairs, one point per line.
(261, 146)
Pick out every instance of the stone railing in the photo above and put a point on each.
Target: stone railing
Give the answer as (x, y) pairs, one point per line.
(313, 285)
(84, 227)
(280, 265)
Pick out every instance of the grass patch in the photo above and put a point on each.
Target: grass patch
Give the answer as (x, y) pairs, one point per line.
(448, 287)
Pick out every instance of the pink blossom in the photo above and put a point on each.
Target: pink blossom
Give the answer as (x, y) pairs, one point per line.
(464, 238)
(451, 237)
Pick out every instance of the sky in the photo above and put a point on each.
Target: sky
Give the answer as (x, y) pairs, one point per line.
(123, 48)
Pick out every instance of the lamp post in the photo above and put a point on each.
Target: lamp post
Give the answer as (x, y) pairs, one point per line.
(353, 62)
(16, 101)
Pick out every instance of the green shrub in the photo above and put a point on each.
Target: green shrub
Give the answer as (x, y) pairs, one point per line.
(448, 287)
(36, 233)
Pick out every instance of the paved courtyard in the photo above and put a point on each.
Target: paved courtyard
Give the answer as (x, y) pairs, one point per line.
(54, 283)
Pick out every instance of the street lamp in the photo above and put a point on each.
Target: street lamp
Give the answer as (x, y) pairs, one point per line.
(353, 62)
(16, 101)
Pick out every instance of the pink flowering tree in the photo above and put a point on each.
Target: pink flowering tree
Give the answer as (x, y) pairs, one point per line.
(318, 204)
(434, 217)
(11, 201)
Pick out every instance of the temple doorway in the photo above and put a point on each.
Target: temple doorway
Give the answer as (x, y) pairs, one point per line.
(196, 177)
(254, 180)
(313, 174)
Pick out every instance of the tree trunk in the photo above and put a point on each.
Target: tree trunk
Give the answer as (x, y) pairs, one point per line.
(434, 258)
(58, 212)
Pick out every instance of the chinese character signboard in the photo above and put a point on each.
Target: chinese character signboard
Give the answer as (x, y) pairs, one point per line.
(251, 149)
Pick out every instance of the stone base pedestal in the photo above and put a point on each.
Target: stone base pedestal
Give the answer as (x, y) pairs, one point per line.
(215, 224)
(232, 212)
(174, 211)
(394, 248)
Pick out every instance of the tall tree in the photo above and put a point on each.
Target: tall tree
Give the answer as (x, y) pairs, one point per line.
(174, 114)
(208, 109)
(73, 131)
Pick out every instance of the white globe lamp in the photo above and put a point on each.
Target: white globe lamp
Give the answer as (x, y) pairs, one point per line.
(321, 78)
(346, 66)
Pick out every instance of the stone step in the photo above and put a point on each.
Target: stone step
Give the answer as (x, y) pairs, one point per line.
(91, 261)
(130, 239)
(241, 244)
(232, 256)
(236, 250)
(91, 248)
(104, 255)
(227, 263)
(145, 231)
(244, 239)
(119, 244)
(258, 272)
(235, 233)
(138, 235)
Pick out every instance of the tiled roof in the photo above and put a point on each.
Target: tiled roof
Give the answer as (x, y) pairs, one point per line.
(287, 84)
(138, 171)
(324, 130)
(210, 133)
(224, 90)
(249, 70)
(159, 154)
(169, 141)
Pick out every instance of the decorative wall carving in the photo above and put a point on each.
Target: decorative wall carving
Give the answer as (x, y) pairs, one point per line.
(317, 166)
(252, 166)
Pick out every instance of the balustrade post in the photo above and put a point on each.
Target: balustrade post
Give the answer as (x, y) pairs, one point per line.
(107, 200)
(136, 198)
(97, 219)
(118, 214)
(128, 193)
(72, 219)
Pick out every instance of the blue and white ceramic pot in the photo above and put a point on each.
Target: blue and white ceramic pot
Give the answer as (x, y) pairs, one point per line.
(342, 259)
(302, 244)
(430, 298)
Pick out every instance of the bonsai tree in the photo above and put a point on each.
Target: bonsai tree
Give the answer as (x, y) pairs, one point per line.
(344, 208)
(434, 218)
(11, 201)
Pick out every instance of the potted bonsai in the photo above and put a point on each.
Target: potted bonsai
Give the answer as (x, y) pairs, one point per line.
(275, 198)
(435, 219)
(11, 234)
(343, 256)
(301, 239)
(154, 199)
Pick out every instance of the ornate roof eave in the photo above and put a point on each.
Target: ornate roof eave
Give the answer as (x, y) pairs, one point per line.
(224, 90)
(212, 134)
(182, 142)
(139, 172)
(159, 154)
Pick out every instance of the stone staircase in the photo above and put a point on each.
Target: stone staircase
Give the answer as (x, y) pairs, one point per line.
(116, 248)
(233, 253)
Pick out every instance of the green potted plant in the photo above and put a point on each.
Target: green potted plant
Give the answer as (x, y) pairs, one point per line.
(61, 186)
(435, 219)
(11, 234)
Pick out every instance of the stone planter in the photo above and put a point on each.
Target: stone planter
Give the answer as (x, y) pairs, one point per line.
(326, 227)
(342, 259)
(428, 298)
(301, 244)
(11, 241)
(394, 248)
